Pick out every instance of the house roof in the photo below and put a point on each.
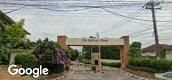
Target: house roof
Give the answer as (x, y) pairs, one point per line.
(4, 19)
(153, 47)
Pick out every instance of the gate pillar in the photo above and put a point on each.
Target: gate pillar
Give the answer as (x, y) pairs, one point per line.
(124, 52)
(62, 42)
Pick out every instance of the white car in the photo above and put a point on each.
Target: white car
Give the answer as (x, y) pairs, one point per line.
(164, 76)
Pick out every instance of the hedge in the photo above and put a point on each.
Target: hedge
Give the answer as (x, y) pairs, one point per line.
(55, 68)
(85, 61)
(111, 64)
(26, 60)
(4, 55)
(153, 64)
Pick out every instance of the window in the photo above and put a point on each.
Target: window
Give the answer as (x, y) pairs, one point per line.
(96, 62)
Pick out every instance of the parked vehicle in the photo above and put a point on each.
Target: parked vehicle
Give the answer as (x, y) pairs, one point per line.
(164, 76)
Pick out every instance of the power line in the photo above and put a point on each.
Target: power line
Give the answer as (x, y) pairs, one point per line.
(138, 34)
(133, 17)
(141, 30)
(15, 10)
(120, 22)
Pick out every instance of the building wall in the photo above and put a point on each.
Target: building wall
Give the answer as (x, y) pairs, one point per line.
(148, 54)
(169, 55)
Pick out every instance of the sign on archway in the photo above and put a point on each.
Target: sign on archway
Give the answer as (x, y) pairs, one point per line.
(122, 42)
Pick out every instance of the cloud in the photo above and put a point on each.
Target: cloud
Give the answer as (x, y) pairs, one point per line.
(44, 23)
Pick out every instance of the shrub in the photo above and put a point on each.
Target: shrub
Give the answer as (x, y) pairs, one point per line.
(4, 55)
(67, 67)
(26, 60)
(93, 68)
(86, 61)
(158, 65)
(49, 55)
(111, 64)
(55, 68)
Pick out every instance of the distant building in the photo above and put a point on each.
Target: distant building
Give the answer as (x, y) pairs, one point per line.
(150, 51)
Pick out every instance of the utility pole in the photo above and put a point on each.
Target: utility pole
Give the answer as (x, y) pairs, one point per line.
(151, 5)
(97, 34)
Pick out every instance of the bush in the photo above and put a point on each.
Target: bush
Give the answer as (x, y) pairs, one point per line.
(111, 64)
(49, 55)
(55, 68)
(86, 61)
(26, 60)
(152, 63)
(4, 55)
(67, 67)
(93, 68)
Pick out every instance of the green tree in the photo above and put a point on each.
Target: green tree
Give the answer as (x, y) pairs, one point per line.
(107, 52)
(38, 41)
(12, 35)
(74, 54)
(162, 53)
(135, 48)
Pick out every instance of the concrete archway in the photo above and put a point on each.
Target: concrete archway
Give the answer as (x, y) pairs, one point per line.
(122, 42)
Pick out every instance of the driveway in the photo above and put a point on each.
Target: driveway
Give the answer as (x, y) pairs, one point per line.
(83, 72)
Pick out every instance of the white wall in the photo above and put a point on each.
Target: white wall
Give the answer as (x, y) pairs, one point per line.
(148, 54)
(169, 55)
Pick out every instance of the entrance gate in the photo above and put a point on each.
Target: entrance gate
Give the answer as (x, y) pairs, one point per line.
(122, 42)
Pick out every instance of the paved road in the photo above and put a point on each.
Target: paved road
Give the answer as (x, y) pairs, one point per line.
(83, 72)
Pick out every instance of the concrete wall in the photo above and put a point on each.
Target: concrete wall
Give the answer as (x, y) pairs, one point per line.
(148, 54)
(169, 55)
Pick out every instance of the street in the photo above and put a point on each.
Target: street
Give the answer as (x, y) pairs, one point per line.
(83, 72)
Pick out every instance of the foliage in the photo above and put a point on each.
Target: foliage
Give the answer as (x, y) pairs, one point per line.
(4, 55)
(86, 61)
(39, 41)
(55, 68)
(26, 44)
(107, 52)
(26, 60)
(93, 68)
(80, 58)
(43, 52)
(110, 52)
(136, 44)
(111, 64)
(12, 35)
(59, 57)
(48, 54)
(135, 49)
(74, 54)
(162, 53)
(159, 65)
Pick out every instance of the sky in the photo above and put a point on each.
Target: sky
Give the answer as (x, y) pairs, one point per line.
(83, 18)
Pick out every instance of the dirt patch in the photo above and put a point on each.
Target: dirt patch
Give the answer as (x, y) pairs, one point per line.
(141, 73)
(4, 75)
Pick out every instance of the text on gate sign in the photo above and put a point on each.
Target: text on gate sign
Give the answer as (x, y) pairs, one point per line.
(94, 40)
